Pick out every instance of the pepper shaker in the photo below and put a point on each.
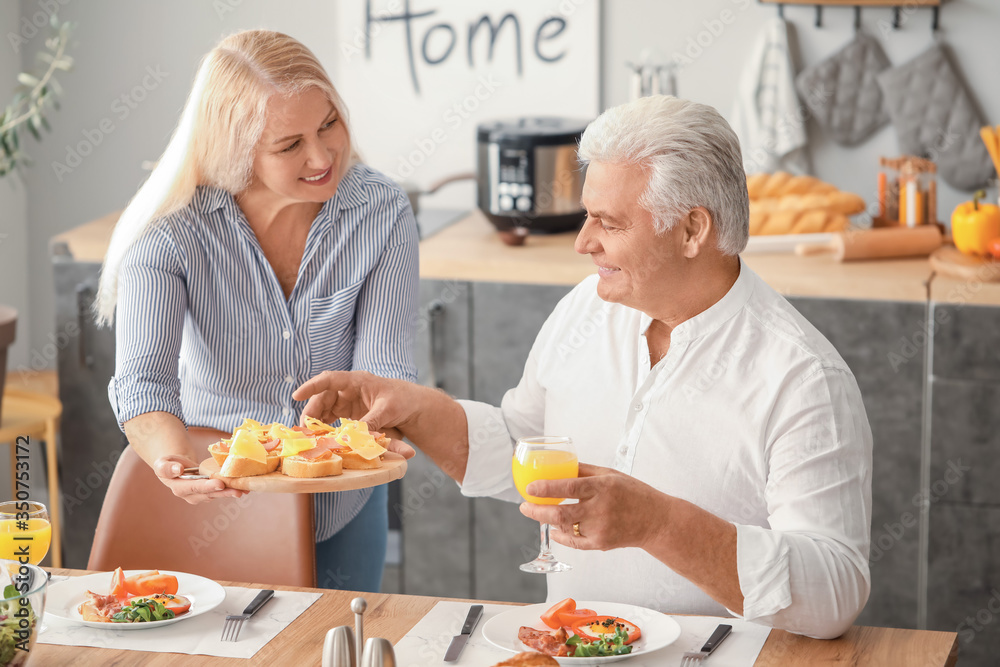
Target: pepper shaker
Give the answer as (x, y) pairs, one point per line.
(378, 653)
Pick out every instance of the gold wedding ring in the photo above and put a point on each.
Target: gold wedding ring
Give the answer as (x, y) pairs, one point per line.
(576, 529)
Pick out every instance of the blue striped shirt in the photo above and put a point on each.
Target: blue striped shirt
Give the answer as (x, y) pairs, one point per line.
(204, 330)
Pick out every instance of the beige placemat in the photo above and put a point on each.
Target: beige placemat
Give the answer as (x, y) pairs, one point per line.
(198, 636)
(426, 643)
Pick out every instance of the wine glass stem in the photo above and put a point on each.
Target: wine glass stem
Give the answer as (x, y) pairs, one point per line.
(545, 551)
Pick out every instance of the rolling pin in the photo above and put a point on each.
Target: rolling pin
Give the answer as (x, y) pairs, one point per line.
(878, 243)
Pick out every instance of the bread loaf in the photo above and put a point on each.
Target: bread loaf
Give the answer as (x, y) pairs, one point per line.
(845, 203)
(796, 222)
(781, 183)
(784, 204)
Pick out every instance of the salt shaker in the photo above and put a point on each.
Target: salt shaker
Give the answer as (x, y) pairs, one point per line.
(339, 648)
(378, 653)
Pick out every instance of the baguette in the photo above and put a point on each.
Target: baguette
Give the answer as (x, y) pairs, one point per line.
(780, 183)
(354, 461)
(240, 466)
(220, 453)
(845, 203)
(784, 204)
(299, 466)
(796, 222)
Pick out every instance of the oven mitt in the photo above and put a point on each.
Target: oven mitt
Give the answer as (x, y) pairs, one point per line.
(935, 118)
(842, 91)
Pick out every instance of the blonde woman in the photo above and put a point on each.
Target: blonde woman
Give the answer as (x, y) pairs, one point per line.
(259, 253)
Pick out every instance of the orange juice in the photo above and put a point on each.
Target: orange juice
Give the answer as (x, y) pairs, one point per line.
(544, 464)
(36, 538)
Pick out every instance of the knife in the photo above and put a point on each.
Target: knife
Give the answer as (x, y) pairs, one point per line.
(460, 640)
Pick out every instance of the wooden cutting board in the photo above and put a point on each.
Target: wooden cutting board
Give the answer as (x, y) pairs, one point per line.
(393, 467)
(950, 262)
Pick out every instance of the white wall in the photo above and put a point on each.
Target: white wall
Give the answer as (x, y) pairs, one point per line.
(971, 28)
(118, 42)
(147, 52)
(13, 205)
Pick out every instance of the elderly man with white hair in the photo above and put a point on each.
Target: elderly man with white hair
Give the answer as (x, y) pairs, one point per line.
(725, 451)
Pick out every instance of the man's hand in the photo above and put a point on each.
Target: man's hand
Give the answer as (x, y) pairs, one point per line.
(354, 395)
(613, 510)
(168, 468)
(616, 510)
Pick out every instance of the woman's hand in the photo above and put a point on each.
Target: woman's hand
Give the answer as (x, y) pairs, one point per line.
(169, 468)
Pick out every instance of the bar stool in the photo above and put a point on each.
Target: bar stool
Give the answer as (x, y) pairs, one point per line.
(32, 415)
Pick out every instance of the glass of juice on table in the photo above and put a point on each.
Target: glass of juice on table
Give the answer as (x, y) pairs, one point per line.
(24, 531)
(544, 457)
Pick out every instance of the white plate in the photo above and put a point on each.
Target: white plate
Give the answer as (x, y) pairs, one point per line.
(64, 597)
(658, 630)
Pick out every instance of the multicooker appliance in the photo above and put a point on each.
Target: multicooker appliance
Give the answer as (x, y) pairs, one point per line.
(528, 173)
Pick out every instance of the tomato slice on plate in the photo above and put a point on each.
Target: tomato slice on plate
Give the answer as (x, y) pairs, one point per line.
(132, 585)
(593, 629)
(551, 616)
(568, 619)
(151, 583)
(118, 588)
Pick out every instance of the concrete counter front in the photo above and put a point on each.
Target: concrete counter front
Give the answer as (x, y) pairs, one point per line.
(923, 350)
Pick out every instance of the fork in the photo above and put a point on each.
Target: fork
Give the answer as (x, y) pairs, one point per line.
(234, 622)
(692, 658)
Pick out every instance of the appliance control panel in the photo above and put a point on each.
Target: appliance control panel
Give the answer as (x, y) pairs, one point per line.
(514, 195)
(513, 187)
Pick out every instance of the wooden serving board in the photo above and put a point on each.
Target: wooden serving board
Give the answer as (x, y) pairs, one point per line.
(393, 467)
(949, 261)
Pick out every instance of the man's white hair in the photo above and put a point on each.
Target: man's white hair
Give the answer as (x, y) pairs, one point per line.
(692, 156)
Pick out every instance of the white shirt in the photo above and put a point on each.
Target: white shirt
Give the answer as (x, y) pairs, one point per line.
(751, 415)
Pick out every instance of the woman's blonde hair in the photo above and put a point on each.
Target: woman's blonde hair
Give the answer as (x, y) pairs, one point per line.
(217, 135)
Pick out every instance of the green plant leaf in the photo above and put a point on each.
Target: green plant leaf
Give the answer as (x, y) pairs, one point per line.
(27, 79)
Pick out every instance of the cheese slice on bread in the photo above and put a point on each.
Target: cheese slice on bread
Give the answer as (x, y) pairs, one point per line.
(314, 450)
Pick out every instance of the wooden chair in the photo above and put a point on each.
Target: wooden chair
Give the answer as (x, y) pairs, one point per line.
(265, 538)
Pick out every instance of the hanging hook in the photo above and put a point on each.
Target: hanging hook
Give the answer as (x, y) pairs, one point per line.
(934, 21)
(895, 17)
(857, 18)
(819, 16)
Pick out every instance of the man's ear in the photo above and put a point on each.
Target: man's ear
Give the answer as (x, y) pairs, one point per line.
(697, 227)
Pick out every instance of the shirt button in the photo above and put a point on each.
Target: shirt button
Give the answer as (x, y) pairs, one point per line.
(289, 379)
(286, 411)
(623, 450)
(637, 407)
(286, 334)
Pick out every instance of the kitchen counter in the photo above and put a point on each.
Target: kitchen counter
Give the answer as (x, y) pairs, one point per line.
(470, 250)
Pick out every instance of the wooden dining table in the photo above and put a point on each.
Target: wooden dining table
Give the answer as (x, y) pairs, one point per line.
(392, 616)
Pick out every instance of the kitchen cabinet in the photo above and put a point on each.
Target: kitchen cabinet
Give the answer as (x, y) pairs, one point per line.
(436, 518)
(961, 494)
(505, 319)
(867, 335)
(90, 440)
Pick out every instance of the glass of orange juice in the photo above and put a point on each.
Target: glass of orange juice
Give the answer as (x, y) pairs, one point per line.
(544, 457)
(25, 531)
